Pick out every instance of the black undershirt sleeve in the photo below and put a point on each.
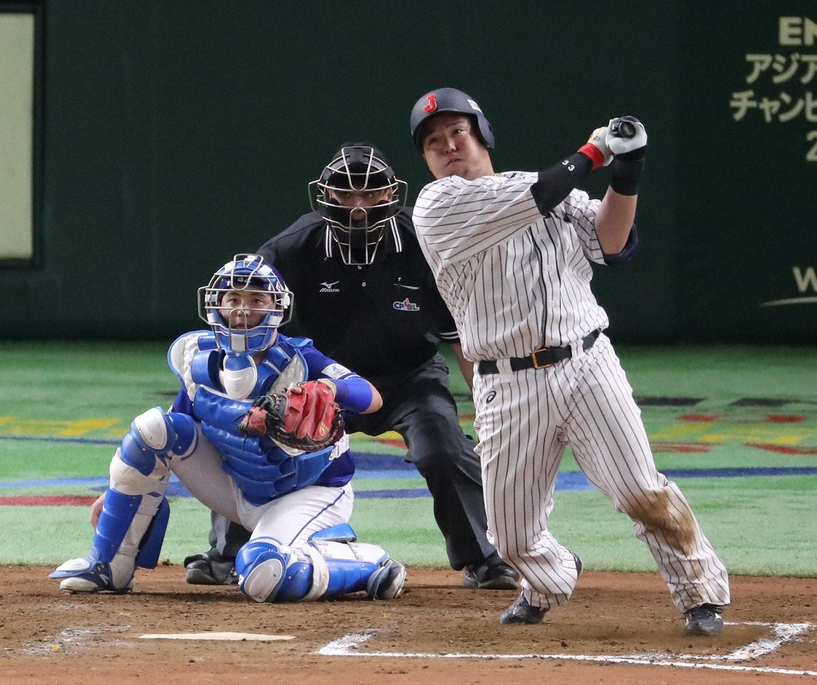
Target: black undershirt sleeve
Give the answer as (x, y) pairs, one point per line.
(556, 182)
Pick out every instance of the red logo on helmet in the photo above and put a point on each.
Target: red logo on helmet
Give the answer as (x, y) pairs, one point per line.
(432, 104)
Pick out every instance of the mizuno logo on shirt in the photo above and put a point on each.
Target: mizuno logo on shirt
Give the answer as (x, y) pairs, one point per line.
(329, 287)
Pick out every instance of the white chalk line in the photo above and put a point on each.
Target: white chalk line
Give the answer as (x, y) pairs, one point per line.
(783, 632)
(228, 636)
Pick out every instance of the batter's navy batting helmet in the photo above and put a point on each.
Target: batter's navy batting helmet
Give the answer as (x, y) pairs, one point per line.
(448, 100)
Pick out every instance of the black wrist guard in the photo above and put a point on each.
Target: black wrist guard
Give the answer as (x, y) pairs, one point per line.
(625, 175)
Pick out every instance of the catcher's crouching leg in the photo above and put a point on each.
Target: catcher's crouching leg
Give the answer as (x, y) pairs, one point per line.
(134, 517)
(268, 571)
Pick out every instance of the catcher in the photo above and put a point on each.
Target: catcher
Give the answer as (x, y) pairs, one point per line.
(256, 434)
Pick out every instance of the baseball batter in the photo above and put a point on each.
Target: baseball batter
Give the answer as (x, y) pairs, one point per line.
(511, 254)
(296, 504)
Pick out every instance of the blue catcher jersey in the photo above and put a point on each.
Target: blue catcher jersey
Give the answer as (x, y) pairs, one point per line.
(218, 396)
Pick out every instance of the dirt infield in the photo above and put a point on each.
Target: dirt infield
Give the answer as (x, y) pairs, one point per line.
(617, 628)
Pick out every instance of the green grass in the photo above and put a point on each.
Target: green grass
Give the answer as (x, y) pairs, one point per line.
(721, 373)
(31, 460)
(759, 526)
(54, 534)
(54, 394)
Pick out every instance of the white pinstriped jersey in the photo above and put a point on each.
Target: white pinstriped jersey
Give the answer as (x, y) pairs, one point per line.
(513, 279)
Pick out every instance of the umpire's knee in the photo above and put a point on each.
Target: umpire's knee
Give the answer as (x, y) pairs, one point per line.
(441, 446)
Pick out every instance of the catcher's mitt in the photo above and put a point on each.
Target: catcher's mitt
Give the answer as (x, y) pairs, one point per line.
(306, 417)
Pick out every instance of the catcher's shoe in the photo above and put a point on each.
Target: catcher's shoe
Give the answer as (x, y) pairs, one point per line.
(387, 581)
(84, 575)
(522, 612)
(492, 574)
(704, 620)
(202, 569)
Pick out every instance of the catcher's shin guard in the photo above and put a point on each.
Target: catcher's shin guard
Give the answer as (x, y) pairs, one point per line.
(125, 538)
(115, 519)
(134, 516)
(151, 545)
(95, 572)
(268, 571)
(262, 567)
(342, 567)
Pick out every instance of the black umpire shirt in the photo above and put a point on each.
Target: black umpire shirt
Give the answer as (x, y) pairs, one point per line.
(384, 320)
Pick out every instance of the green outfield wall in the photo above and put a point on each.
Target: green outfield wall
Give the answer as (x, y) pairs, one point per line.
(171, 134)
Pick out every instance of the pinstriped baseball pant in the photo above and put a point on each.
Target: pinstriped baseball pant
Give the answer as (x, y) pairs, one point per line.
(525, 419)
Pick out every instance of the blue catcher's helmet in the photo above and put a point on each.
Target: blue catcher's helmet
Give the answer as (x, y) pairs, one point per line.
(448, 100)
(245, 273)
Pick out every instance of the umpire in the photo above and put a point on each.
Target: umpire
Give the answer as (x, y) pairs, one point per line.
(364, 293)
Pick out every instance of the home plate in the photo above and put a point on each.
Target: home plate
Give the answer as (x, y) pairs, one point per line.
(217, 636)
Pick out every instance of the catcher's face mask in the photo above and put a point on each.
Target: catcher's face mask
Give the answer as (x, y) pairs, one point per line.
(357, 194)
(245, 303)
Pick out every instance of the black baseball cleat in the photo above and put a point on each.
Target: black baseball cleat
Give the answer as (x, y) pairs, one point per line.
(202, 569)
(704, 620)
(522, 612)
(491, 574)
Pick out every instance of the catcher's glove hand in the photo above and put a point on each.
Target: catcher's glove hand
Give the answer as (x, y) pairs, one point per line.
(306, 417)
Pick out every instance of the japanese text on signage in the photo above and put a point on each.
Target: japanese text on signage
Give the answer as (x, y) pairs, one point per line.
(783, 84)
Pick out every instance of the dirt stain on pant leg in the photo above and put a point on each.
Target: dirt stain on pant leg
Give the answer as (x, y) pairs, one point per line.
(666, 514)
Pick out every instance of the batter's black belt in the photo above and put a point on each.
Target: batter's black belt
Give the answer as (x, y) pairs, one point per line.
(538, 359)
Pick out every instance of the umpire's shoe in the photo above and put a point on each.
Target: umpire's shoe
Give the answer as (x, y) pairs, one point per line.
(492, 574)
(204, 569)
(704, 620)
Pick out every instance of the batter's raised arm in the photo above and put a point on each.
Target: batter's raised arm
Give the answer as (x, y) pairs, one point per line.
(627, 140)
(556, 182)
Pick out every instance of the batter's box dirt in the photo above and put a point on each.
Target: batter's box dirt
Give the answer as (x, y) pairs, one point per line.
(740, 660)
(617, 628)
